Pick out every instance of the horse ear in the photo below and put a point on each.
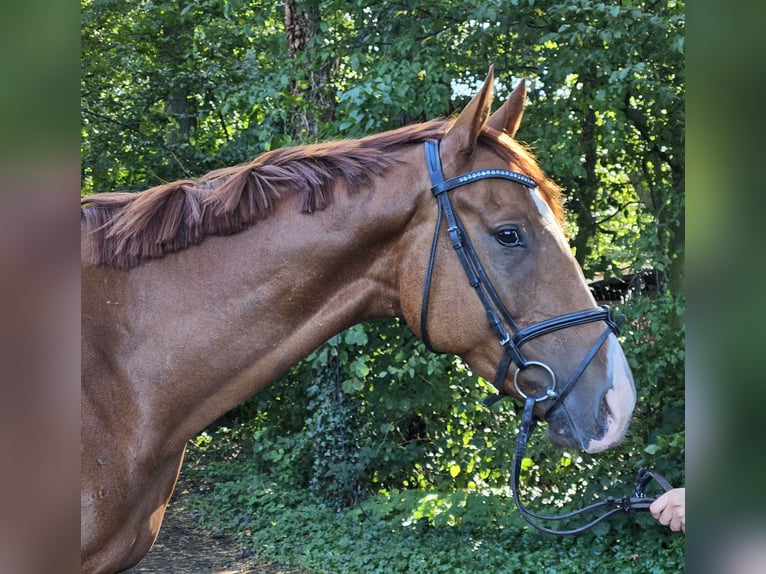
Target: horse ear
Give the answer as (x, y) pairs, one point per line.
(461, 137)
(508, 117)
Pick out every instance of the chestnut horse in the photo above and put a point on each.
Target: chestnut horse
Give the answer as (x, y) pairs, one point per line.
(198, 294)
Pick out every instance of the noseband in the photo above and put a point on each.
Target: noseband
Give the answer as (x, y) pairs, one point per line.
(512, 338)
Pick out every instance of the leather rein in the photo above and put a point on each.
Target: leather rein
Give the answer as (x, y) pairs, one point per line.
(511, 339)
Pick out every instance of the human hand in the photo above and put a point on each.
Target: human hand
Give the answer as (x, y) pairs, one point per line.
(670, 509)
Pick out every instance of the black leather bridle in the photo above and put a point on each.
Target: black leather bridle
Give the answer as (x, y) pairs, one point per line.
(511, 337)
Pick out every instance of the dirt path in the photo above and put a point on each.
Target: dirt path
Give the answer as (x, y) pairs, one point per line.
(183, 548)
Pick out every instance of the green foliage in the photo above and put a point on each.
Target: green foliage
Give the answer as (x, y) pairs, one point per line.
(442, 503)
(414, 531)
(335, 470)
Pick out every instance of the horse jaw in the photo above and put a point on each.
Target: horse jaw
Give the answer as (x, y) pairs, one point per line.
(619, 401)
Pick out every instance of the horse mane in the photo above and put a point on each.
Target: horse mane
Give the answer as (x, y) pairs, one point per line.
(127, 229)
(522, 157)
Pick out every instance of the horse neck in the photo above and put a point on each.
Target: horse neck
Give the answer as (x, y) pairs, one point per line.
(236, 312)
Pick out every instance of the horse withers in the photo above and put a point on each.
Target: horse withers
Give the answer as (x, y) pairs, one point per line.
(197, 294)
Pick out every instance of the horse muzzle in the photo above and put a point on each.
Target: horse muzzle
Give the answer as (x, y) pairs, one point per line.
(579, 421)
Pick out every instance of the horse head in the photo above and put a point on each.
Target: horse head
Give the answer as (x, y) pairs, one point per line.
(546, 338)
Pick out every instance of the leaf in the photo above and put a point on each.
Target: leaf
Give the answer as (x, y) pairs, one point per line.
(352, 385)
(651, 449)
(355, 336)
(602, 528)
(360, 368)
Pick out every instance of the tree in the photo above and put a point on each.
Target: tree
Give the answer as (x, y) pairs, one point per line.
(312, 70)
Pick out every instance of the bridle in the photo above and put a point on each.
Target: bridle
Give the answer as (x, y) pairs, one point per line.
(509, 335)
(511, 338)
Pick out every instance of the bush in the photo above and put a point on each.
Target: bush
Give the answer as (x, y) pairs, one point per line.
(402, 462)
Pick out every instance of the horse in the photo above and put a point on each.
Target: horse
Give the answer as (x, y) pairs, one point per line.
(197, 294)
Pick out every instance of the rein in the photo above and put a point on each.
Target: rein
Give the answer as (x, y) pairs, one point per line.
(511, 339)
(637, 502)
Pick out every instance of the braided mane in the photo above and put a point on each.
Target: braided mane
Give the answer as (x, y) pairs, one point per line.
(129, 228)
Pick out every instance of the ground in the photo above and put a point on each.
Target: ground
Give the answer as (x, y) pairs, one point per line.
(182, 547)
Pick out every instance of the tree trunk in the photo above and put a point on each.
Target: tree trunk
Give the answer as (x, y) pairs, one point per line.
(175, 46)
(177, 107)
(587, 187)
(312, 74)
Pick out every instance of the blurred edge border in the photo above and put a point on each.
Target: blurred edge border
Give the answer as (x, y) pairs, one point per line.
(39, 287)
(725, 287)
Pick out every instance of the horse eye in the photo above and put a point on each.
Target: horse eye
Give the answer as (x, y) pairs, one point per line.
(509, 237)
